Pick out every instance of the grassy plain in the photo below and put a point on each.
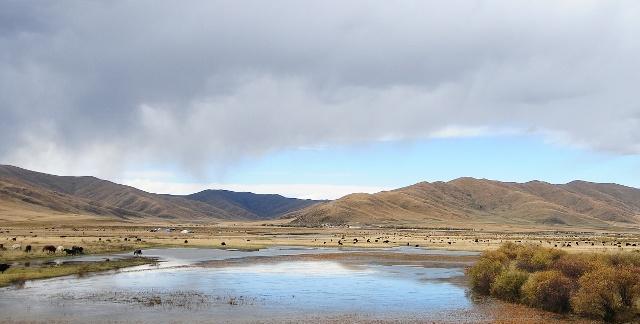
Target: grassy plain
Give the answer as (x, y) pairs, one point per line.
(103, 238)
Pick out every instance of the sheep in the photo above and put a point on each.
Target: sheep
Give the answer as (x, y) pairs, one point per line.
(16, 247)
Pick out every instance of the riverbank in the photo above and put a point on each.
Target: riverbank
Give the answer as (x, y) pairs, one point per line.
(18, 275)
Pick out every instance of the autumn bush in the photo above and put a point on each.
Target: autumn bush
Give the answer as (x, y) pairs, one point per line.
(483, 273)
(609, 293)
(549, 290)
(507, 284)
(600, 286)
(575, 265)
(532, 258)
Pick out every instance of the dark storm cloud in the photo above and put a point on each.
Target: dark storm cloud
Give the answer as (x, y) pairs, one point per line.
(98, 85)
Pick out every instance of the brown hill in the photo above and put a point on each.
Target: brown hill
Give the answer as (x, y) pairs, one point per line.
(468, 201)
(23, 190)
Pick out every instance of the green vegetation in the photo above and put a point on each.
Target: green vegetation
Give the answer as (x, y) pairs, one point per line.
(600, 286)
(18, 275)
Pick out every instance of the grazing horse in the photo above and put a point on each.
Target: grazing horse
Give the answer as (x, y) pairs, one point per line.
(49, 249)
(137, 252)
(27, 249)
(4, 267)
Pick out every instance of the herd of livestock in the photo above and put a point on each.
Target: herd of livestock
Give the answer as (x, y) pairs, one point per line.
(50, 249)
(74, 250)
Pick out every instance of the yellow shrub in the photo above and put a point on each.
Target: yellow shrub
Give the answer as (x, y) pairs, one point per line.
(549, 290)
(507, 284)
(483, 273)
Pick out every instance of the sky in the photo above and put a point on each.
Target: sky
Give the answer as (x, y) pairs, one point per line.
(318, 99)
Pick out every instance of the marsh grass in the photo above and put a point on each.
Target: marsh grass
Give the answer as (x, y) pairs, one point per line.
(19, 275)
(186, 299)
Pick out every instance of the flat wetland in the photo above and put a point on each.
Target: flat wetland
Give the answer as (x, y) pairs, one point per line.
(267, 274)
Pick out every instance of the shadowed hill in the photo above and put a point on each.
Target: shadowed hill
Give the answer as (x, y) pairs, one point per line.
(257, 206)
(467, 201)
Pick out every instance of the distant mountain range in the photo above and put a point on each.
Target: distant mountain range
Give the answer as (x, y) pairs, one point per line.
(465, 202)
(28, 192)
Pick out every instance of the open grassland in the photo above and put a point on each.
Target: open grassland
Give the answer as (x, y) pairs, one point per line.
(595, 285)
(98, 239)
(110, 238)
(18, 275)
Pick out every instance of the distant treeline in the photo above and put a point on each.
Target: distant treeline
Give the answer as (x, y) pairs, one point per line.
(595, 285)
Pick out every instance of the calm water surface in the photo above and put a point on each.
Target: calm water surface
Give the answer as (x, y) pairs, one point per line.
(181, 290)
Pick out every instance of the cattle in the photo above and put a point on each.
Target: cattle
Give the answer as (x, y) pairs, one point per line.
(137, 252)
(49, 249)
(27, 249)
(223, 243)
(4, 267)
(16, 247)
(2, 248)
(186, 241)
(60, 248)
(74, 250)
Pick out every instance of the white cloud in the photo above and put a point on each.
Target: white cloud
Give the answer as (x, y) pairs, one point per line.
(218, 82)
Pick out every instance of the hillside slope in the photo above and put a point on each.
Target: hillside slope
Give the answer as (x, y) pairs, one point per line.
(28, 190)
(467, 201)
